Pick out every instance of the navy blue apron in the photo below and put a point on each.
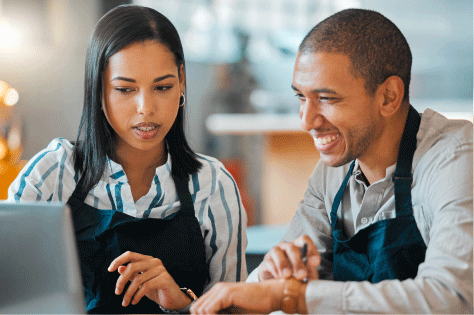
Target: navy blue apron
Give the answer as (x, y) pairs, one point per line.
(103, 235)
(388, 249)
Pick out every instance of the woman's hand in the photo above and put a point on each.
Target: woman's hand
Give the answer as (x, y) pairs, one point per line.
(148, 278)
(285, 261)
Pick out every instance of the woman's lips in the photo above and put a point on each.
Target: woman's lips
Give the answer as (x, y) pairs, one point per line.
(146, 131)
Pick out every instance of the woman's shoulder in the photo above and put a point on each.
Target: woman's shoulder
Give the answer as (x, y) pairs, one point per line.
(58, 149)
(213, 171)
(49, 174)
(209, 163)
(58, 154)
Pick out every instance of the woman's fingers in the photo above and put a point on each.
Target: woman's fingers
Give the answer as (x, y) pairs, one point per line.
(125, 258)
(137, 273)
(144, 282)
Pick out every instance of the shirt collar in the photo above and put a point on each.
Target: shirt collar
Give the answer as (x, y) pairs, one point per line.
(115, 171)
(389, 171)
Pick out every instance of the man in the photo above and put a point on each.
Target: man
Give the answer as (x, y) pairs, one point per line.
(387, 217)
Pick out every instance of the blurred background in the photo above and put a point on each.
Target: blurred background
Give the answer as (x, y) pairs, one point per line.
(239, 56)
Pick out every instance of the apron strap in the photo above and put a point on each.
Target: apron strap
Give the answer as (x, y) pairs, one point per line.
(402, 178)
(337, 199)
(187, 205)
(78, 193)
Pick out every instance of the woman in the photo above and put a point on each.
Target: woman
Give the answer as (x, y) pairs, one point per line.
(155, 222)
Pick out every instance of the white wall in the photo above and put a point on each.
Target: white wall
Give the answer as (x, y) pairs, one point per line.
(49, 75)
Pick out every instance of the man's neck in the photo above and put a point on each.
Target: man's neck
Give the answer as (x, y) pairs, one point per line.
(384, 151)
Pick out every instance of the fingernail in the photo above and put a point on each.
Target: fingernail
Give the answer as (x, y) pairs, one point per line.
(117, 291)
(123, 303)
(315, 260)
(286, 273)
(301, 274)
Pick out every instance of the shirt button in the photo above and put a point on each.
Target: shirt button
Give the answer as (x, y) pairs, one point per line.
(364, 220)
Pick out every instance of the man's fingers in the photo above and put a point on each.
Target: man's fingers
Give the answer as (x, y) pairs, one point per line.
(216, 299)
(312, 267)
(285, 260)
(296, 265)
(268, 269)
(280, 260)
(313, 258)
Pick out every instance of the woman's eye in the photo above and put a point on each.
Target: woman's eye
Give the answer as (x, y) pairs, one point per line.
(124, 90)
(163, 88)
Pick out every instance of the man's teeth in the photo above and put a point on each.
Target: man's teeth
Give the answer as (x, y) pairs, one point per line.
(326, 140)
(146, 128)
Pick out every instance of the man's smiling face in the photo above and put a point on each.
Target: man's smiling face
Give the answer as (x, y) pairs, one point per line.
(335, 107)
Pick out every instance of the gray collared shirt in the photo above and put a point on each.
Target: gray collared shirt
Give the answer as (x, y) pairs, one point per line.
(442, 197)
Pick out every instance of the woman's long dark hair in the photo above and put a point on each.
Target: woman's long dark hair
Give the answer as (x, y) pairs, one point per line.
(117, 29)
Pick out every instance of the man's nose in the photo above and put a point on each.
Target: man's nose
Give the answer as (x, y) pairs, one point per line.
(146, 104)
(311, 117)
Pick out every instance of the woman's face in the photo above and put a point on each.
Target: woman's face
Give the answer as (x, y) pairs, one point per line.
(142, 89)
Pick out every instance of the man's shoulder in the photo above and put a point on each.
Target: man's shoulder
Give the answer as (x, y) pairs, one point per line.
(441, 136)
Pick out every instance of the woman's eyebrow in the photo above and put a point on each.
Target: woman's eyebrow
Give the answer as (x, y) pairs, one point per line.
(133, 80)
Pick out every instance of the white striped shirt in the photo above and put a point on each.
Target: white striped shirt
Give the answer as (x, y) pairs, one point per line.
(50, 177)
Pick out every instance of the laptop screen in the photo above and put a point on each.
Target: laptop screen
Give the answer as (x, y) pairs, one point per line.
(39, 270)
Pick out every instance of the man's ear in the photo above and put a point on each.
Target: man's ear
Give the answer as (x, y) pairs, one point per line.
(391, 92)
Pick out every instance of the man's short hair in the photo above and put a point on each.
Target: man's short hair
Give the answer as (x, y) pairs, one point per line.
(376, 47)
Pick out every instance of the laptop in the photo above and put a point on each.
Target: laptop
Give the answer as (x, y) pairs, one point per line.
(39, 265)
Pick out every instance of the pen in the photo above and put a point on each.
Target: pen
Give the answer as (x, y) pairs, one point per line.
(304, 258)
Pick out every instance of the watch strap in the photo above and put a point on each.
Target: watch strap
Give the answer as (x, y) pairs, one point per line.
(291, 293)
(185, 310)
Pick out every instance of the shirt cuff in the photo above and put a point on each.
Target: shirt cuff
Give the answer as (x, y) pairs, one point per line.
(325, 297)
(253, 276)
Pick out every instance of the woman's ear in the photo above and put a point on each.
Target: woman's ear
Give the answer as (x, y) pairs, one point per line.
(392, 91)
(182, 79)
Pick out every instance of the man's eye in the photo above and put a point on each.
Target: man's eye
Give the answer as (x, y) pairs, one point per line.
(300, 96)
(326, 99)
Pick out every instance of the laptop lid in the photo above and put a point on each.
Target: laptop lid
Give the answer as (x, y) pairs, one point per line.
(39, 265)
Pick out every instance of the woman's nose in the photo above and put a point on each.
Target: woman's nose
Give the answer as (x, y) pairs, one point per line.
(311, 117)
(146, 104)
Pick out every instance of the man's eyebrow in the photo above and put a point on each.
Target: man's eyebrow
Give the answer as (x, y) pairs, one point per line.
(323, 90)
(133, 81)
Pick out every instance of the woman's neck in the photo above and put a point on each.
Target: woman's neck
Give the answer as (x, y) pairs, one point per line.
(138, 161)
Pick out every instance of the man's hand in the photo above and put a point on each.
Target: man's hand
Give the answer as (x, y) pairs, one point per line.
(285, 261)
(148, 278)
(255, 298)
